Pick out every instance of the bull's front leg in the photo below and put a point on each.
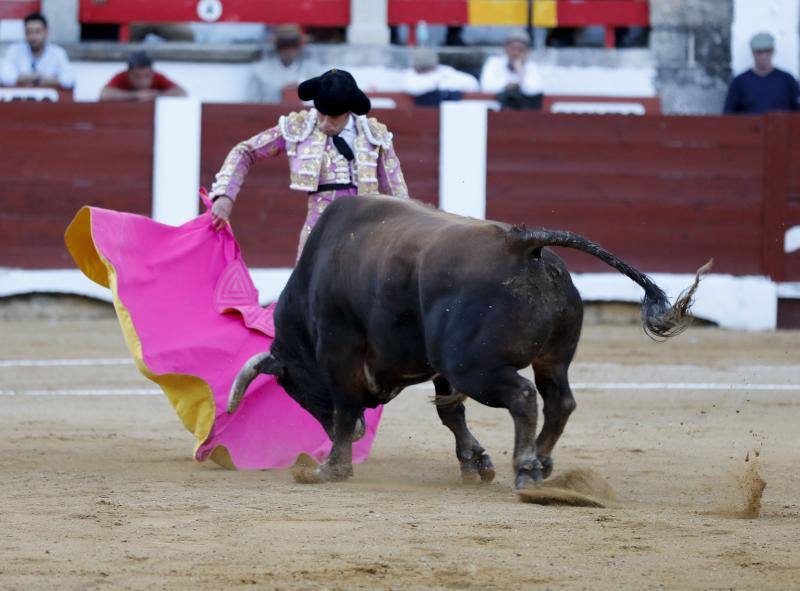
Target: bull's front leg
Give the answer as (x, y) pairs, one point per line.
(339, 465)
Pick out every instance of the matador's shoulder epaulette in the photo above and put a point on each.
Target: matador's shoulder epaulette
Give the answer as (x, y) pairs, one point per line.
(376, 132)
(297, 125)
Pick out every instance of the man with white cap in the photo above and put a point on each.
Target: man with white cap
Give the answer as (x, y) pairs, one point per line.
(764, 87)
(512, 77)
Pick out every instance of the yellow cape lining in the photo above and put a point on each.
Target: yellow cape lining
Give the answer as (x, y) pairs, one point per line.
(190, 396)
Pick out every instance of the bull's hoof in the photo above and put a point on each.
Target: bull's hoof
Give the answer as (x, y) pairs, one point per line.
(478, 468)
(529, 475)
(322, 473)
(547, 466)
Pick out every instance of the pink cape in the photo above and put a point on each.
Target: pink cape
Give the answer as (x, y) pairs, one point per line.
(190, 315)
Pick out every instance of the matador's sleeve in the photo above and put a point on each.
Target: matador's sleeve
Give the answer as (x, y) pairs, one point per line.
(390, 175)
(231, 176)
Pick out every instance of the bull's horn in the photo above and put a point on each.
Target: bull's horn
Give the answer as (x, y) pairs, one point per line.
(243, 379)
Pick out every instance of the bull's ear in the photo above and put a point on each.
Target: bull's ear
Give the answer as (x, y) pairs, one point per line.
(271, 365)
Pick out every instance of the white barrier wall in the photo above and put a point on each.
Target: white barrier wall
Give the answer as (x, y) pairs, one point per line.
(176, 160)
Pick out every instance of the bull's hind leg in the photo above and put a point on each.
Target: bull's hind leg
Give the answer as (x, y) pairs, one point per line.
(521, 403)
(476, 465)
(505, 388)
(559, 403)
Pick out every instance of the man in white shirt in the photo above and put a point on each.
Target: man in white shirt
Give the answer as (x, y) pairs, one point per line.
(514, 79)
(36, 62)
(287, 67)
(430, 83)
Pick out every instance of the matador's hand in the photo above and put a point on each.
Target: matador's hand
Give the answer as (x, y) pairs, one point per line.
(221, 212)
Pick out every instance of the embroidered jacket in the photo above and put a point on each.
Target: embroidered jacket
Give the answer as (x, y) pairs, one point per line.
(314, 161)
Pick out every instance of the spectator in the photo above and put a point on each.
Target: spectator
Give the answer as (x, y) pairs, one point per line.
(513, 78)
(36, 62)
(430, 83)
(139, 82)
(286, 67)
(763, 88)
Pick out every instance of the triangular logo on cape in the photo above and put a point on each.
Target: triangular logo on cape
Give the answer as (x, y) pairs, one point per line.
(234, 287)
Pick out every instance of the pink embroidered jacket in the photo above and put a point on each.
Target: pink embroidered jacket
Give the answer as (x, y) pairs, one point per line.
(314, 161)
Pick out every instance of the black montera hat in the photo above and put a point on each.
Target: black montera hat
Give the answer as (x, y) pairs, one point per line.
(335, 93)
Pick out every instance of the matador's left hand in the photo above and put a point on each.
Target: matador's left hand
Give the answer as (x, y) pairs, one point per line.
(221, 211)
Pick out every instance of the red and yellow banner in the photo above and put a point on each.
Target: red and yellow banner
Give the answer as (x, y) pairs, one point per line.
(544, 13)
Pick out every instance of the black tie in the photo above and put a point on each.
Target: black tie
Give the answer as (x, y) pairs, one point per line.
(342, 146)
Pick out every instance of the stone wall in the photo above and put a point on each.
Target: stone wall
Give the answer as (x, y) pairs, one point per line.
(690, 41)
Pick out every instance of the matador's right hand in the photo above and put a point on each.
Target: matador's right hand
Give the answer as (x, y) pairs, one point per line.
(221, 212)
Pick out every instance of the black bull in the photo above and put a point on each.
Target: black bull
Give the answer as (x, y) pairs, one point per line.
(389, 293)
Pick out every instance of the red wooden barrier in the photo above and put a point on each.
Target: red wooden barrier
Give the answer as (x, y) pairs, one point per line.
(664, 193)
(268, 216)
(306, 12)
(58, 157)
(18, 9)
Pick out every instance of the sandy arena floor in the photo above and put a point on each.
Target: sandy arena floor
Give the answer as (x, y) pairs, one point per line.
(100, 492)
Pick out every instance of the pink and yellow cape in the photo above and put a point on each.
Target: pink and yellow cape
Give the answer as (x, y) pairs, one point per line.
(191, 318)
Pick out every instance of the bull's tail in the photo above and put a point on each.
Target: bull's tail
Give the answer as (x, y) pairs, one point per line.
(659, 319)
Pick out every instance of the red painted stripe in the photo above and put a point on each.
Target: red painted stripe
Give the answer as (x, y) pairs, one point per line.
(583, 13)
(449, 12)
(304, 12)
(16, 9)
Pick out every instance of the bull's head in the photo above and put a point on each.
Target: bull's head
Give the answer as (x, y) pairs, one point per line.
(306, 388)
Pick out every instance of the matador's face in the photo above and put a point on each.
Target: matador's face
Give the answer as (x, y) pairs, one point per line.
(333, 124)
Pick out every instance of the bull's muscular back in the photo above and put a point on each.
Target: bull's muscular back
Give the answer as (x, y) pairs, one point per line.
(410, 284)
(385, 244)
